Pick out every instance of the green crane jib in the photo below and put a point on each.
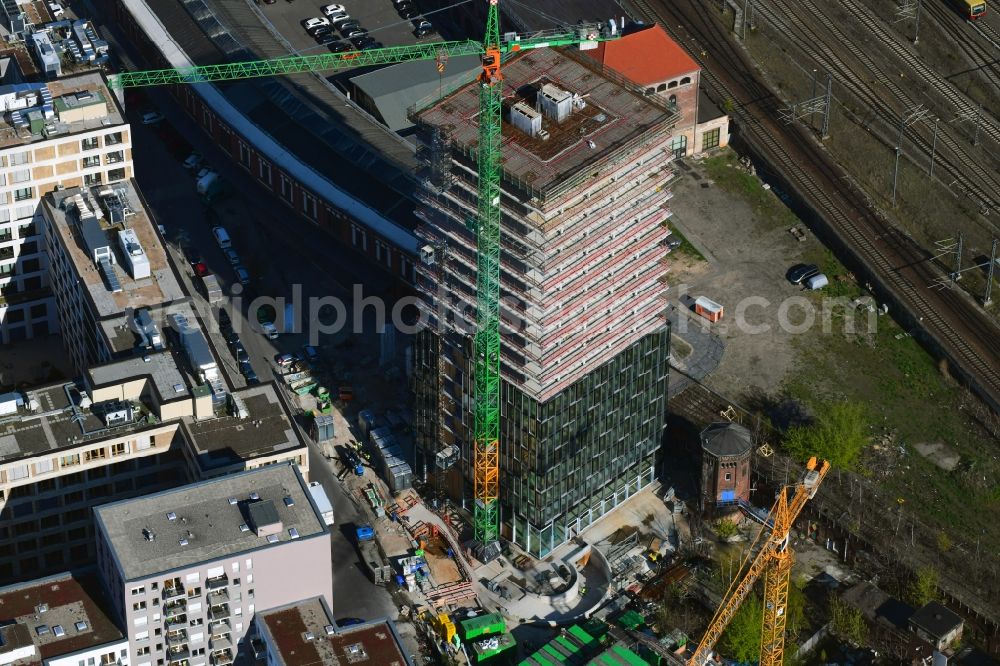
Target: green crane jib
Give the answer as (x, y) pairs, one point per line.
(486, 452)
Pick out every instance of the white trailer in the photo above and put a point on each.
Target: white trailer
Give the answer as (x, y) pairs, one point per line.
(322, 502)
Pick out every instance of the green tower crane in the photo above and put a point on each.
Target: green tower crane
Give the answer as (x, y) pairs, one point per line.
(486, 451)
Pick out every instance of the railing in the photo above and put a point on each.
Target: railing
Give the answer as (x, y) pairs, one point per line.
(219, 612)
(217, 582)
(171, 592)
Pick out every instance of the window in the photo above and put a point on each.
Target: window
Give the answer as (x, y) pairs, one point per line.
(92, 161)
(19, 472)
(92, 179)
(115, 157)
(358, 237)
(20, 176)
(22, 194)
(382, 253)
(710, 139)
(686, 80)
(69, 461)
(112, 139)
(30, 266)
(118, 449)
(729, 477)
(244, 155)
(286, 188)
(18, 159)
(264, 171)
(406, 268)
(309, 205)
(95, 454)
(89, 144)
(116, 174)
(43, 466)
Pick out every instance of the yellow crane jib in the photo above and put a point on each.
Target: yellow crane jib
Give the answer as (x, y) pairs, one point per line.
(773, 560)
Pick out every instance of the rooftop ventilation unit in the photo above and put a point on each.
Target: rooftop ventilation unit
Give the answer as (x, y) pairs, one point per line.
(41, 608)
(135, 256)
(254, 496)
(149, 334)
(183, 541)
(329, 629)
(171, 516)
(115, 412)
(555, 102)
(526, 119)
(81, 626)
(233, 501)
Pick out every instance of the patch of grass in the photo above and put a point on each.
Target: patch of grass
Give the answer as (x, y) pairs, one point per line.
(686, 247)
(906, 393)
(724, 170)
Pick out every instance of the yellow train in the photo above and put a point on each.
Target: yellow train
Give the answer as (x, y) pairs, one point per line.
(971, 9)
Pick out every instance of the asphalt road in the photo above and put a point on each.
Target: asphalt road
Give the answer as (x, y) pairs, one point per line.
(263, 234)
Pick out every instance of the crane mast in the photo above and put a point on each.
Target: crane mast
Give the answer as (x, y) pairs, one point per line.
(773, 561)
(486, 342)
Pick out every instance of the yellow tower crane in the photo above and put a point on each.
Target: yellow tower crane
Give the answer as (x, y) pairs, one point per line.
(774, 562)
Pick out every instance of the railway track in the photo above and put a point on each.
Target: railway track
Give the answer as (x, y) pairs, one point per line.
(950, 321)
(988, 32)
(951, 155)
(985, 58)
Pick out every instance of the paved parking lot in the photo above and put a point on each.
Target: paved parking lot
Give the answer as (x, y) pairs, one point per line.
(379, 17)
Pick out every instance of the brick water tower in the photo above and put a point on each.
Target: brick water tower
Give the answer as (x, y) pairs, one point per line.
(725, 468)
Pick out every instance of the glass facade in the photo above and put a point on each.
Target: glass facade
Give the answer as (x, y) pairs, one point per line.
(568, 461)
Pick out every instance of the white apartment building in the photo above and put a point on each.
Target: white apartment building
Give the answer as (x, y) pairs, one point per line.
(68, 133)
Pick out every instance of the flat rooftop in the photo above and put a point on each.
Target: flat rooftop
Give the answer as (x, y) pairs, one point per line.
(224, 441)
(51, 428)
(160, 366)
(612, 120)
(160, 287)
(370, 643)
(205, 525)
(79, 103)
(74, 607)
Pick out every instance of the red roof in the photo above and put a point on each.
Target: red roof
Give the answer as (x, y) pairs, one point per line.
(645, 57)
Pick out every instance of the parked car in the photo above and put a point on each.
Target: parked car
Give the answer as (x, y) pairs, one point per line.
(193, 161)
(817, 281)
(250, 375)
(270, 2)
(799, 272)
(327, 39)
(152, 118)
(245, 367)
(240, 352)
(204, 171)
(357, 34)
(423, 28)
(348, 26)
(243, 275)
(285, 360)
(320, 32)
(232, 338)
(222, 237)
(338, 19)
(200, 269)
(369, 43)
(231, 255)
(339, 47)
(315, 22)
(330, 10)
(672, 241)
(311, 353)
(409, 13)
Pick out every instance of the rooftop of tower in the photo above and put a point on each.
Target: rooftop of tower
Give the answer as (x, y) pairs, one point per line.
(607, 117)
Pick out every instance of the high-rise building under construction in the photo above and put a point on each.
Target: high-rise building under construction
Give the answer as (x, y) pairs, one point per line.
(586, 167)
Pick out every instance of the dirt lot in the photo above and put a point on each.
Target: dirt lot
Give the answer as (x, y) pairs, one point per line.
(715, 204)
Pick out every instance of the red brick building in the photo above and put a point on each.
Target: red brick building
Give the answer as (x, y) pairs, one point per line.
(652, 60)
(725, 467)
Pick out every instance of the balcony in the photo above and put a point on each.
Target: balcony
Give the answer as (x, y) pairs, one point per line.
(218, 596)
(222, 658)
(220, 627)
(177, 638)
(176, 619)
(220, 612)
(179, 662)
(220, 643)
(217, 582)
(177, 654)
(171, 592)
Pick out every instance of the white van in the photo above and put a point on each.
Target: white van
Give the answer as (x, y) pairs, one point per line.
(222, 238)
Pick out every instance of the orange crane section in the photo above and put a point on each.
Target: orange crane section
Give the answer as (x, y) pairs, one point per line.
(774, 562)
